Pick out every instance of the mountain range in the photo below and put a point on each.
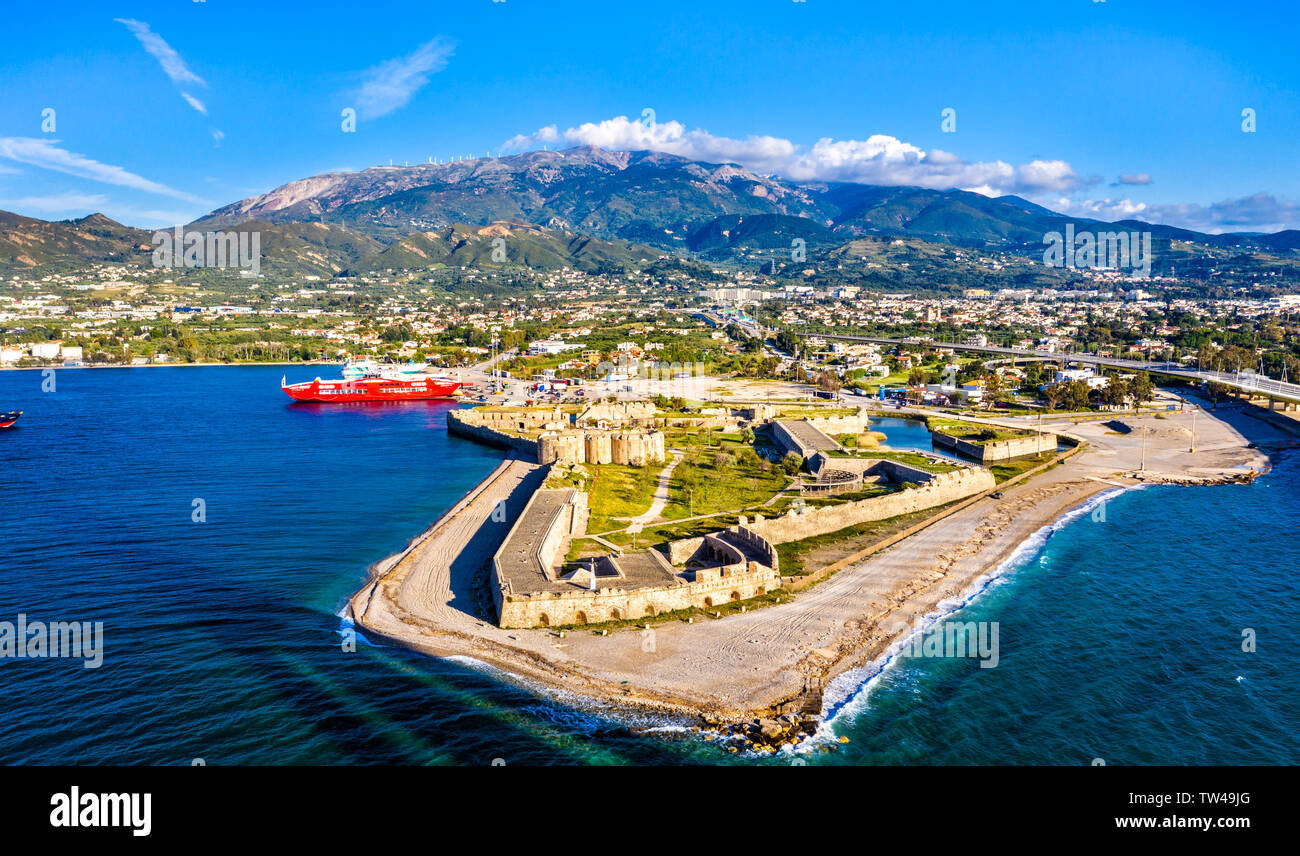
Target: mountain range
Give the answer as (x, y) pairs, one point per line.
(583, 207)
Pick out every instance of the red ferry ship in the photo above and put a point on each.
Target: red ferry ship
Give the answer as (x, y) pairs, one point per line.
(371, 388)
(8, 419)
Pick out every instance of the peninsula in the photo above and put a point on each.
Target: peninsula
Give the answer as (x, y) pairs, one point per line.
(573, 566)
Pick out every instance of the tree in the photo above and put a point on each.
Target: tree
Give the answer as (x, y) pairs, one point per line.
(1034, 375)
(1217, 391)
(397, 333)
(1116, 391)
(1078, 395)
(828, 381)
(918, 377)
(792, 463)
(994, 388)
(1141, 388)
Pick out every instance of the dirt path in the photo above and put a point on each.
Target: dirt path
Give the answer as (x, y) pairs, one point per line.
(661, 491)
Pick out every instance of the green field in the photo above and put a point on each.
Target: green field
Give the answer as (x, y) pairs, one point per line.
(973, 432)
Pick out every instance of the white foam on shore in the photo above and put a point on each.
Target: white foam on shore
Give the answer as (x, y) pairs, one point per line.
(848, 695)
(347, 625)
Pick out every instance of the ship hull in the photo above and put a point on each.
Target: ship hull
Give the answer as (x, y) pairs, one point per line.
(370, 389)
(8, 419)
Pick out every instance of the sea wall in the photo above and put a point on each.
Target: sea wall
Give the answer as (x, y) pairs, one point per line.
(462, 425)
(939, 489)
(1001, 450)
(514, 419)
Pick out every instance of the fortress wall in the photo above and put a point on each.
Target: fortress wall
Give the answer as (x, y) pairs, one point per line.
(787, 442)
(598, 449)
(572, 446)
(571, 520)
(735, 579)
(836, 425)
(723, 422)
(1002, 450)
(871, 467)
(552, 609)
(461, 426)
(620, 411)
(512, 419)
(941, 488)
(899, 472)
(728, 554)
(593, 446)
(759, 544)
(681, 551)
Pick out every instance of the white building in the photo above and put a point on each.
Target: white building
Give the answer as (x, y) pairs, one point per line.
(45, 350)
(1089, 376)
(551, 346)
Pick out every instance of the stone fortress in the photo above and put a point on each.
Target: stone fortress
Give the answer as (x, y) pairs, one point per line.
(531, 586)
(547, 436)
(529, 590)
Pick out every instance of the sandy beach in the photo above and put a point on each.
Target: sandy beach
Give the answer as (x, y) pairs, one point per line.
(432, 597)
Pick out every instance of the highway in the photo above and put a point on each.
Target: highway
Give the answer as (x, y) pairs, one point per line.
(1253, 383)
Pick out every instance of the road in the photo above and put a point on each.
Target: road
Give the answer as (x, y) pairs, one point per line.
(1245, 382)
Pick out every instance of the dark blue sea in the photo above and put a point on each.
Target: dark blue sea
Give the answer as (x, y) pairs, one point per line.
(1121, 639)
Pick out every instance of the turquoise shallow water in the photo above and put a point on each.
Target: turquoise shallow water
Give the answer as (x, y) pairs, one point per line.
(1119, 640)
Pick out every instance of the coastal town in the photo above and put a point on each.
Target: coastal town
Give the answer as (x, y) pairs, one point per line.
(558, 322)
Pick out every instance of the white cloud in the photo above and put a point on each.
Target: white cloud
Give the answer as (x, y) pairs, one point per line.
(1261, 212)
(391, 84)
(879, 159)
(173, 65)
(1133, 178)
(1098, 209)
(47, 155)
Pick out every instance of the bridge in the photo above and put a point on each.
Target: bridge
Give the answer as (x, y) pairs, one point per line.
(1254, 384)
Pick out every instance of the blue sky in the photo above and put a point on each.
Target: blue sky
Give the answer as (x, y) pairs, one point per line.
(165, 110)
